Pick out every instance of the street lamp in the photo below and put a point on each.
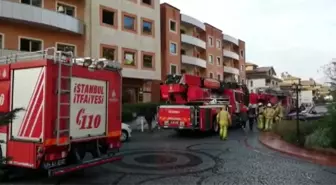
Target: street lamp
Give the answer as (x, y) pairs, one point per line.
(296, 87)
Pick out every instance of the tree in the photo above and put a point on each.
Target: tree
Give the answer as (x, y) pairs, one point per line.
(330, 72)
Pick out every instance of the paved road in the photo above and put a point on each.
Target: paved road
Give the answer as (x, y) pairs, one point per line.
(166, 158)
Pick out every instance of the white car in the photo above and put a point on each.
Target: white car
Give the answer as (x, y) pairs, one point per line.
(126, 132)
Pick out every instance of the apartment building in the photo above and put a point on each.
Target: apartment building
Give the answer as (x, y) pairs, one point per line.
(191, 46)
(261, 77)
(233, 59)
(33, 25)
(127, 31)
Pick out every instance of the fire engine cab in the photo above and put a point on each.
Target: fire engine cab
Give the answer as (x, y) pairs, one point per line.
(195, 101)
(72, 111)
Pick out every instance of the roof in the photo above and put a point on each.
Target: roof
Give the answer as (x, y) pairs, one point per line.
(261, 70)
(250, 64)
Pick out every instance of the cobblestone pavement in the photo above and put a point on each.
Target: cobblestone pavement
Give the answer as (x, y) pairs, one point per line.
(166, 158)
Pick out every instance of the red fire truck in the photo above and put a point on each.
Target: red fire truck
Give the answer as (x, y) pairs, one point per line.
(72, 108)
(265, 95)
(195, 102)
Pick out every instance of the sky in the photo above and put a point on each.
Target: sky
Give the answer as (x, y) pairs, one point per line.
(294, 36)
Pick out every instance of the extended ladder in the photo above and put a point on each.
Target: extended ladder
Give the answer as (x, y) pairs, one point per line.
(63, 80)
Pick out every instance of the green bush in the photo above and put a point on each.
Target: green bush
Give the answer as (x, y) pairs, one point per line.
(288, 132)
(319, 138)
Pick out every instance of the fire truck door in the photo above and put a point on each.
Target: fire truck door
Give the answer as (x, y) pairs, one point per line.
(206, 117)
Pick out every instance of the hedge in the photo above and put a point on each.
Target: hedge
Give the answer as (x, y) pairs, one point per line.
(139, 109)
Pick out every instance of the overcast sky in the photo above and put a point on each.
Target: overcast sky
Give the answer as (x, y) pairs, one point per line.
(297, 36)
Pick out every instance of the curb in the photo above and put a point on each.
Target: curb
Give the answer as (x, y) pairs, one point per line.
(274, 142)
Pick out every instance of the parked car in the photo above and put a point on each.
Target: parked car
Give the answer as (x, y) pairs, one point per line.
(310, 113)
(126, 132)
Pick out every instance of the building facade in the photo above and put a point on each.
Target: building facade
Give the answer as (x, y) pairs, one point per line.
(261, 77)
(233, 59)
(149, 40)
(127, 31)
(191, 46)
(34, 25)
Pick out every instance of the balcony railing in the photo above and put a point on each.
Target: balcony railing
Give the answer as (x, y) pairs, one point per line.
(231, 70)
(193, 61)
(7, 52)
(231, 39)
(193, 41)
(40, 16)
(192, 21)
(230, 54)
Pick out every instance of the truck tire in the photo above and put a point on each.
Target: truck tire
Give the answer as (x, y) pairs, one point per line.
(215, 126)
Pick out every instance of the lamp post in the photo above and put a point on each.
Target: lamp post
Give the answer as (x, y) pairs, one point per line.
(297, 88)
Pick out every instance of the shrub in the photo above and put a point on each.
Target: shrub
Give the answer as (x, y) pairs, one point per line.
(319, 138)
(287, 130)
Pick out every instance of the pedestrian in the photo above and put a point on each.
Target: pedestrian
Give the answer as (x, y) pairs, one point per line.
(224, 120)
(269, 117)
(251, 112)
(260, 113)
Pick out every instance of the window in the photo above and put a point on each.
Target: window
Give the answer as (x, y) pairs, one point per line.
(1, 41)
(218, 61)
(30, 45)
(66, 9)
(238, 97)
(147, 27)
(147, 2)
(210, 41)
(251, 83)
(109, 17)
(218, 44)
(129, 58)
(219, 77)
(183, 52)
(211, 59)
(173, 69)
(242, 53)
(129, 23)
(211, 75)
(173, 48)
(109, 53)
(172, 25)
(37, 3)
(65, 47)
(147, 60)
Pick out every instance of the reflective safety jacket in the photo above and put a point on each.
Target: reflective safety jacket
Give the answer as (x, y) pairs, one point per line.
(223, 118)
(269, 113)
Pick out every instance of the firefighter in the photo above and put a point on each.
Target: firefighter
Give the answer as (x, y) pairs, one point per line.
(223, 119)
(278, 113)
(269, 117)
(260, 112)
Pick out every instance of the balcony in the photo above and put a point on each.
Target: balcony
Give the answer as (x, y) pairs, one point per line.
(192, 21)
(193, 61)
(40, 16)
(193, 41)
(230, 54)
(231, 39)
(231, 70)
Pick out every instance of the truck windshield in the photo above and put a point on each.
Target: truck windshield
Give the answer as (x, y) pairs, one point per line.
(173, 79)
